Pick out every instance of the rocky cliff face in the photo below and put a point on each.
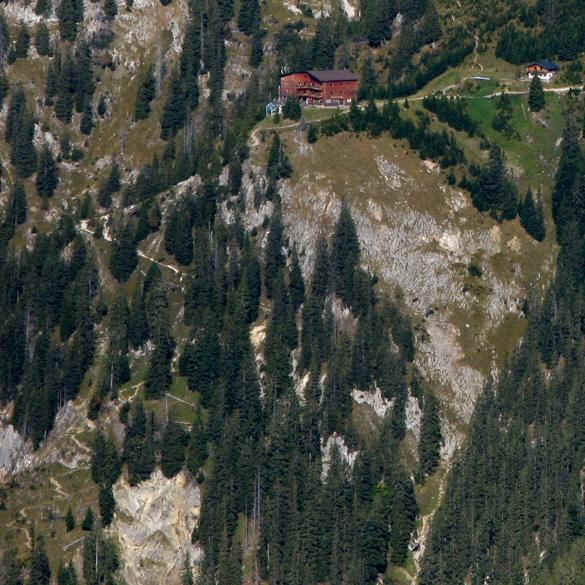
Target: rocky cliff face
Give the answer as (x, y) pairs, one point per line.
(62, 445)
(422, 236)
(153, 525)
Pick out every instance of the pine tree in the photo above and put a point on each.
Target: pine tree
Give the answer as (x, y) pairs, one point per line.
(274, 256)
(257, 49)
(146, 93)
(430, 436)
(532, 217)
(39, 568)
(22, 42)
(43, 7)
(42, 39)
(107, 504)
(70, 13)
(175, 109)
(69, 520)
(368, 81)
(249, 16)
(172, 454)
(87, 523)
(17, 208)
(111, 186)
(110, 9)
(197, 448)
(344, 255)
(47, 177)
(23, 155)
(296, 282)
(124, 258)
(536, 98)
(86, 123)
(431, 24)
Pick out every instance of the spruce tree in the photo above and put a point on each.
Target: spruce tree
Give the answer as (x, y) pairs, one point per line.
(430, 436)
(124, 258)
(86, 123)
(197, 447)
(4, 88)
(22, 42)
(296, 282)
(175, 109)
(43, 7)
(70, 13)
(87, 524)
(39, 568)
(47, 177)
(536, 98)
(249, 16)
(532, 217)
(42, 39)
(431, 24)
(69, 520)
(110, 9)
(172, 453)
(146, 93)
(17, 208)
(274, 256)
(344, 255)
(107, 504)
(23, 155)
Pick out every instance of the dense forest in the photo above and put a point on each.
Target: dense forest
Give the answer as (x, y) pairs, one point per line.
(515, 498)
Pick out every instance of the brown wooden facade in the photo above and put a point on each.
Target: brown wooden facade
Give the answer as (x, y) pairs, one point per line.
(320, 87)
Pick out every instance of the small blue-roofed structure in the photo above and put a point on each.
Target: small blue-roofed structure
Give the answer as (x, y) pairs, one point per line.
(273, 108)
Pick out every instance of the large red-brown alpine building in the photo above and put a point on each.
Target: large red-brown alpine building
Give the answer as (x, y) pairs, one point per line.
(320, 87)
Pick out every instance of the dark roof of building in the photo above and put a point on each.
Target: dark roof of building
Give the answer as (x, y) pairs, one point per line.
(327, 75)
(546, 64)
(333, 75)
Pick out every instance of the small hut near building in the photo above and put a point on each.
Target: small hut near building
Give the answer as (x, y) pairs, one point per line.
(545, 70)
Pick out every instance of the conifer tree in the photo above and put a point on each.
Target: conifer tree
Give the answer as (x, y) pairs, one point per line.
(47, 177)
(88, 519)
(111, 186)
(43, 7)
(536, 98)
(124, 258)
(430, 436)
(368, 81)
(86, 123)
(197, 447)
(431, 23)
(42, 39)
(69, 520)
(249, 16)
(274, 256)
(70, 13)
(17, 209)
(175, 109)
(297, 284)
(22, 42)
(23, 155)
(110, 9)
(532, 217)
(39, 568)
(146, 93)
(107, 504)
(172, 454)
(344, 255)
